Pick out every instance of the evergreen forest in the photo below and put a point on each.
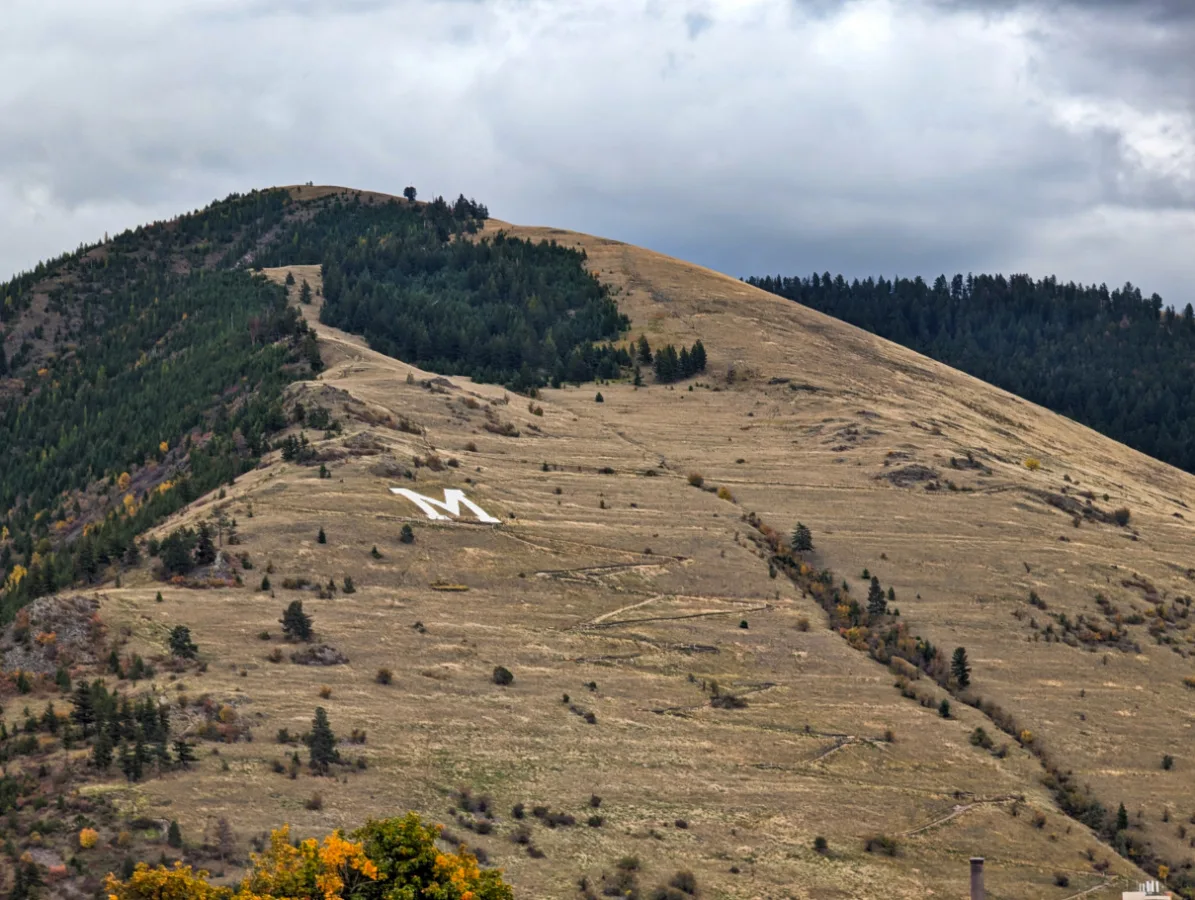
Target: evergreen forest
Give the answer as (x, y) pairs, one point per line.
(1116, 361)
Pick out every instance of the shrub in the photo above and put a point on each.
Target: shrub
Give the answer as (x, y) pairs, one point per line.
(275, 655)
(316, 802)
(725, 494)
(684, 881)
(743, 624)
(88, 838)
(406, 535)
(595, 801)
(881, 843)
(384, 676)
(682, 824)
(349, 587)
(696, 480)
(1167, 762)
(1121, 516)
(944, 708)
(595, 821)
(980, 738)
(599, 398)
(518, 811)
(325, 691)
(265, 582)
(502, 676)
(1032, 463)
(321, 538)
(803, 623)
(820, 844)
(1061, 879)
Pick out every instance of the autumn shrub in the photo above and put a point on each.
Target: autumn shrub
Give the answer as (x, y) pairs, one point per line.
(325, 691)
(88, 838)
(725, 494)
(1032, 463)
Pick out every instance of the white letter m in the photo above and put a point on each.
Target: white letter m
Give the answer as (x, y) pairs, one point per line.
(451, 504)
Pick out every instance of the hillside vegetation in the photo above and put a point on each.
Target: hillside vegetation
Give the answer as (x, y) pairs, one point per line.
(801, 614)
(1113, 360)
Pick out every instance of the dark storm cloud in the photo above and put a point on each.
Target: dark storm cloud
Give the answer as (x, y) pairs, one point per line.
(873, 136)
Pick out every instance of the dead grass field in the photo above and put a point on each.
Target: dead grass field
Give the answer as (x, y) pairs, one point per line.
(638, 584)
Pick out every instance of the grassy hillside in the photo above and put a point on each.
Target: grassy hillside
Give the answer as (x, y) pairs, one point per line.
(688, 693)
(1114, 360)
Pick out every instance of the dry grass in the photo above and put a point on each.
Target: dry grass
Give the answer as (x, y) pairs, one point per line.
(565, 595)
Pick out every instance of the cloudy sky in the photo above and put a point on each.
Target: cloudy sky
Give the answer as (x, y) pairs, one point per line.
(856, 136)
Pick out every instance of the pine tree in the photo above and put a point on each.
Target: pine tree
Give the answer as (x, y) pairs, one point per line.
(205, 548)
(83, 714)
(305, 293)
(101, 753)
(802, 539)
(877, 604)
(265, 582)
(698, 356)
(181, 644)
(960, 668)
(322, 745)
(174, 835)
(321, 538)
(1122, 818)
(184, 753)
(643, 351)
(407, 535)
(296, 624)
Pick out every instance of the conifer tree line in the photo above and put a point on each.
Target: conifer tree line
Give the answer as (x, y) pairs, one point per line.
(1116, 361)
(669, 363)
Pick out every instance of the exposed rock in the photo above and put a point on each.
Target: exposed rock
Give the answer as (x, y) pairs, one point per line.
(319, 655)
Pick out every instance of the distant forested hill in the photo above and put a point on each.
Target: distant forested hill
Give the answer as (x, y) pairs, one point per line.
(1114, 360)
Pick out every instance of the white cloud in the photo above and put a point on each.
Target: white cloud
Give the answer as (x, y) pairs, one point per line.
(751, 135)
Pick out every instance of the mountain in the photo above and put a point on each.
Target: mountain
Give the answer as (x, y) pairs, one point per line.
(632, 673)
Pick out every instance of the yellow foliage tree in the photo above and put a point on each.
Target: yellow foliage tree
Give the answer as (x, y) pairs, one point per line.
(387, 860)
(15, 577)
(88, 837)
(124, 481)
(308, 870)
(161, 883)
(163, 447)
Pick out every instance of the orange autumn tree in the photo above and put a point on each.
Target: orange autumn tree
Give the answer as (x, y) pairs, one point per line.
(387, 859)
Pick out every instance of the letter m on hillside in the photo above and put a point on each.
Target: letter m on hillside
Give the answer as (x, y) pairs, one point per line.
(451, 504)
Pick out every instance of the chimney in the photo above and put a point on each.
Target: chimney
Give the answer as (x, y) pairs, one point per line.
(976, 878)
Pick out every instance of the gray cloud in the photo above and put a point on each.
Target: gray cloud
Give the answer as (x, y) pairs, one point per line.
(749, 135)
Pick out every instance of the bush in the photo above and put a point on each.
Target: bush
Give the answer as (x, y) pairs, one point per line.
(803, 623)
(1167, 762)
(1122, 516)
(684, 881)
(820, 844)
(599, 398)
(321, 538)
(324, 691)
(502, 676)
(595, 821)
(944, 708)
(725, 494)
(88, 838)
(1032, 463)
(1061, 879)
(384, 676)
(696, 480)
(316, 802)
(980, 738)
(881, 843)
(407, 535)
